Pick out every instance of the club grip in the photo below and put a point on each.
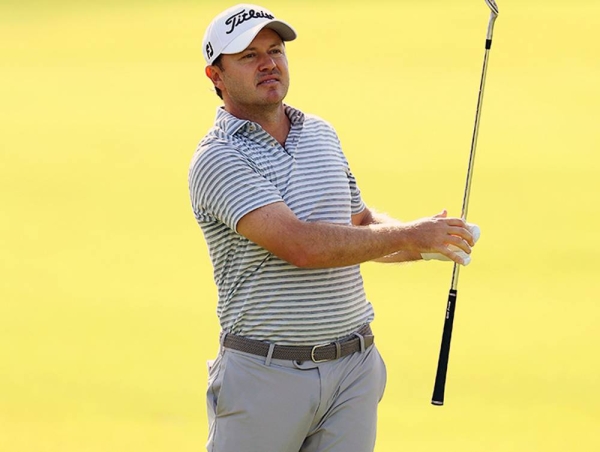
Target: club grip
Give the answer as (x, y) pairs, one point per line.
(442, 367)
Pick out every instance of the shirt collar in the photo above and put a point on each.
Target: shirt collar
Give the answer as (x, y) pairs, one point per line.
(232, 125)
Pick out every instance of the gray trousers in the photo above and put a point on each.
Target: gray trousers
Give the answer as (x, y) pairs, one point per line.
(287, 406)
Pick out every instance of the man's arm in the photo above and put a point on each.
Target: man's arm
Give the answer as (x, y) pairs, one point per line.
(323, 245)
(367, 217)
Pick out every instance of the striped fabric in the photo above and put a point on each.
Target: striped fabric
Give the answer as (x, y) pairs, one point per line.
(237, 168)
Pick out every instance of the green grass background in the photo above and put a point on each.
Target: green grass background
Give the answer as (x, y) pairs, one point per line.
(107, 305)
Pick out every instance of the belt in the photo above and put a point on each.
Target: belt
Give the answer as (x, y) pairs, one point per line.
(357, 342)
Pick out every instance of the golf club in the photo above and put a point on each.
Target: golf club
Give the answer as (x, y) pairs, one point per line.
(442, 367)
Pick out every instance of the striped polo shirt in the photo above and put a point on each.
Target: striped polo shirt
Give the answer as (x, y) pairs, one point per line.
(237, 168)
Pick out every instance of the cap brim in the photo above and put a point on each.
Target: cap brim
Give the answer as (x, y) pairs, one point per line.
(285, 31)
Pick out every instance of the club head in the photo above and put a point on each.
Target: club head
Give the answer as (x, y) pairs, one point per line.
(492, 5)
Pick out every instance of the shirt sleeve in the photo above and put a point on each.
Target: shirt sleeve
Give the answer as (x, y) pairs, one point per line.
(225, 187)
(357, 204)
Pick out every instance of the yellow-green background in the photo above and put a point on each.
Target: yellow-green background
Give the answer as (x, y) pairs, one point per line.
(107, 305)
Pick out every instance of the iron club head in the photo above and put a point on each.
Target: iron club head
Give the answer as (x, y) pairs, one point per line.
(492, 5)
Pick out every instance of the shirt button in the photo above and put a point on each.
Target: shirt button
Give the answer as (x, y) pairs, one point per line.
(272, 145)
(251, 128)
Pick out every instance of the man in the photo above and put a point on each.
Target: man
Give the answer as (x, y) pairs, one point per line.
(286, 230)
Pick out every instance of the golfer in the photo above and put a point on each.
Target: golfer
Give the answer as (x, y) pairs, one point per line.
(287, 229)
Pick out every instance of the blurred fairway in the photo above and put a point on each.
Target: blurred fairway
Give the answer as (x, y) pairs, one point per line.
(107, 305)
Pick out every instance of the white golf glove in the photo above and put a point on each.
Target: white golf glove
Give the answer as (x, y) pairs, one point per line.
(466, 258)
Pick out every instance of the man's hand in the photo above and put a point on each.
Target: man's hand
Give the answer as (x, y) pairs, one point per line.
(442, 235)
(466, 258)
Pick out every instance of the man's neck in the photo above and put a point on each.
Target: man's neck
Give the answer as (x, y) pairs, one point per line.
(272, 119)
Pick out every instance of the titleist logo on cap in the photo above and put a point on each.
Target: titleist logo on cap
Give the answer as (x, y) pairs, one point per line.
(243, 16)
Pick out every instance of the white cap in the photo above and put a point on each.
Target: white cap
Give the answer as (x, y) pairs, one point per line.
(234, 29)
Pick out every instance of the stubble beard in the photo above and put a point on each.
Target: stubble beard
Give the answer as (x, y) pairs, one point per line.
(261, 104)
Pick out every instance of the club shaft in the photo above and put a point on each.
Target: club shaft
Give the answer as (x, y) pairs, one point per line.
(469, 181)
(467, 193)
(442, 367)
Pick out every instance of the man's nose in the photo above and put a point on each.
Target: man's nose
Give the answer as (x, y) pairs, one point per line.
(267, 62)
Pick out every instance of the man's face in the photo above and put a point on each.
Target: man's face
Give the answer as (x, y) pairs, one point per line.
(257, 76)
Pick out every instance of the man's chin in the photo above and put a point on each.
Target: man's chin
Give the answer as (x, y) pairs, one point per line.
(274, 96)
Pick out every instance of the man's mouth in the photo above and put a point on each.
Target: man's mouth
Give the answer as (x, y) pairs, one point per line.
(268, 81)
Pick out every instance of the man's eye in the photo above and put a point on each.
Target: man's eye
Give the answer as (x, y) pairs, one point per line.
(248, 55)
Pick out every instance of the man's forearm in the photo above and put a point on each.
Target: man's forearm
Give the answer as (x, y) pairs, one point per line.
(370, 237)
(399, 257)
(320, 245)
(373, 217)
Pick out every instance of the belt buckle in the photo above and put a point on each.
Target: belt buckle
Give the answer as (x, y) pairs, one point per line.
(312, 353)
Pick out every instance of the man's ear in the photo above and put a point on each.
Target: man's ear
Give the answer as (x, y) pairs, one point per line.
(212, 72)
